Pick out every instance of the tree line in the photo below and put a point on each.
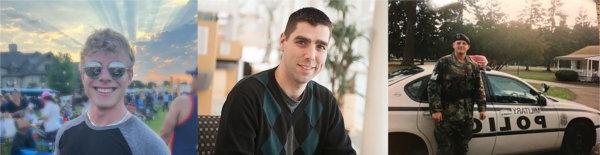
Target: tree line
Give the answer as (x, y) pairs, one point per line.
(418, 31)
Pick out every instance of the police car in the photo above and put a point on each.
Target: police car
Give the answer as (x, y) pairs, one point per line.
(520, 119)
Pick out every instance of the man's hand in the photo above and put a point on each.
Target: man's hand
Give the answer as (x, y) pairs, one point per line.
(436, 116)
(482, 115)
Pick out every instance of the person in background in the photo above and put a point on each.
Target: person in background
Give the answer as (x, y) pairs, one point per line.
(180, 129)
(51, 116)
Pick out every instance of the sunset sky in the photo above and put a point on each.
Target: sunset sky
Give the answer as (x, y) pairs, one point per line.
(162, 32)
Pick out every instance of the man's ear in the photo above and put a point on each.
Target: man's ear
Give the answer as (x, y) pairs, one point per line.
(129, 77)
(81, 73)
(282, 38)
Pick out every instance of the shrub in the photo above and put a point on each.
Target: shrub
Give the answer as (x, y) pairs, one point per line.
(566, 75)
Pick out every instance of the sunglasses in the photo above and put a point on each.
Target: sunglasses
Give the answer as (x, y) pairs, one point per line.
(116, 69)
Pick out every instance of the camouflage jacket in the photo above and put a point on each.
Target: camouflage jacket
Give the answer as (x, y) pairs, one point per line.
(452, 81)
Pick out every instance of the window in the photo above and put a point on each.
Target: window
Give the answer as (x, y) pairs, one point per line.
(508, 90)
(417, 89)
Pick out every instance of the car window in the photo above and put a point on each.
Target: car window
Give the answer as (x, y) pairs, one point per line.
(508, 90)
(417, 89)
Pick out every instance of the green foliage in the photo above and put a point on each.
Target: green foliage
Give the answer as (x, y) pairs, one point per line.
(566, 75)
(166, 84)
(341, 54)
(151, 85)
(137, 84)
(540, 35)
(61, 75)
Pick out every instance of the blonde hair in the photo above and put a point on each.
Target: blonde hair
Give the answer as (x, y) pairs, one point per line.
(107, 40)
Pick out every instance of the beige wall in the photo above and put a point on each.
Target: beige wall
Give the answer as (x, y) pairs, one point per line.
(207, 63)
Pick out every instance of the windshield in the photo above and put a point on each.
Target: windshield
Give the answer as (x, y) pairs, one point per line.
(403, 73)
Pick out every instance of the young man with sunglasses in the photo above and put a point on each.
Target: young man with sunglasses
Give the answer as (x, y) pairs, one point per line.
(281, 110)
(107, 127)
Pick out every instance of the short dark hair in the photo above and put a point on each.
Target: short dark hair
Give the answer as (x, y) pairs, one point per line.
(308, 14)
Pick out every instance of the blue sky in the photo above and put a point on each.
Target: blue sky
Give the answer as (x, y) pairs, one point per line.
(162, 32)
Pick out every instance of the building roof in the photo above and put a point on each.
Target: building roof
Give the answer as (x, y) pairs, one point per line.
(582, 54)
(19, 64)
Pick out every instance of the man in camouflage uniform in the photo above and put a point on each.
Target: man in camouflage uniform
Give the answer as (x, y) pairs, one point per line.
(454, 87)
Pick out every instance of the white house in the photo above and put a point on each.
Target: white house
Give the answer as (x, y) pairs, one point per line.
(584, 61)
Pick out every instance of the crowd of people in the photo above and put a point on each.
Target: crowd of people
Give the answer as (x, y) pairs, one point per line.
(145, 104)
(30, 122)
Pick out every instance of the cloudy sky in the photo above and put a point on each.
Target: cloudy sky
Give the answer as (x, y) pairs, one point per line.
(163, 32)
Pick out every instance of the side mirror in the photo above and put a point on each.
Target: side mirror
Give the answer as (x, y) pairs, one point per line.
(545, 88)
(541, 100)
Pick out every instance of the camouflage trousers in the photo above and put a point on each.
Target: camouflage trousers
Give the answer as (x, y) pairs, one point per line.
(453, 137)
(455, 130)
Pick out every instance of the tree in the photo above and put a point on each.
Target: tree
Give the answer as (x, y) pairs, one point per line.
(61, 75)
(586, 34)
(341, 54)
(396, 20)
(409, 46)
(427, 36)
(450, 17)
(166, 84)
(533, 18)
(557, 36)
(151, 85)
(137, 84)
(490, 35)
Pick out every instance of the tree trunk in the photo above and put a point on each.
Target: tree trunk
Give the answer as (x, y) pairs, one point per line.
(409, 46)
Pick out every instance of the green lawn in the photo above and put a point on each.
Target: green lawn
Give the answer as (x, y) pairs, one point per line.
(532, 74)
(158, 122)
(559, 92)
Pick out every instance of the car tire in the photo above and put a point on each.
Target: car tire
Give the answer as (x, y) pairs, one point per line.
(406, 145)
(578, 139)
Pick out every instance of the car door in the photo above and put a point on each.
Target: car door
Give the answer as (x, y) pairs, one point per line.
(523, 123)
(478, 145)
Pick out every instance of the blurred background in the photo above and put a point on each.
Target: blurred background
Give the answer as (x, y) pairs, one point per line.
(238, 38)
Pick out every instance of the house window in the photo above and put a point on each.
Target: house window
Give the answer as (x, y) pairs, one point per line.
(564, 64)
(578, 64)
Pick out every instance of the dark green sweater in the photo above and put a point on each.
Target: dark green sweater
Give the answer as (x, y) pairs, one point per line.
(256, 120)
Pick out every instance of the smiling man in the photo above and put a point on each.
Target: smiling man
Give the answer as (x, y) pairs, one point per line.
(281, 110)
(456, 86)
(107, 128)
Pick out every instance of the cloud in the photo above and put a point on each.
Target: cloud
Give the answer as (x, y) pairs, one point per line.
(145, 36)
(63, 26)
